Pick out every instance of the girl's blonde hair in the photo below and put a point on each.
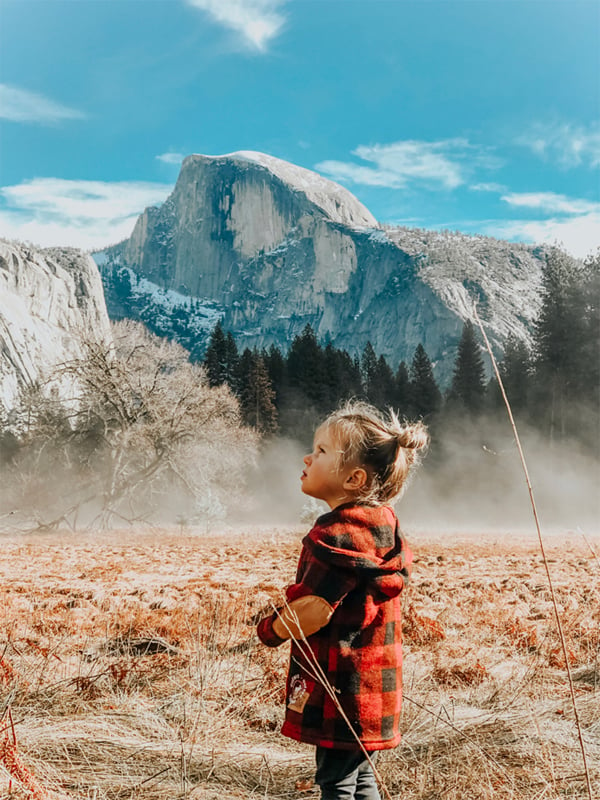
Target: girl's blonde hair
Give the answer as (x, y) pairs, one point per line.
(384, 446)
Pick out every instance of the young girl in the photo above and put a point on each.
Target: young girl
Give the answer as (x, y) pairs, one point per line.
(352, 569)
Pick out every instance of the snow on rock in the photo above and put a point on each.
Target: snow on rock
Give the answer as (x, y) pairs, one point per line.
(275, 246)
(50, 300)
(203, 314)
(503, 278)
(338, 203)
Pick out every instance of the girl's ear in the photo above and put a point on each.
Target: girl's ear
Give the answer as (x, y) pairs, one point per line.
(356, 479)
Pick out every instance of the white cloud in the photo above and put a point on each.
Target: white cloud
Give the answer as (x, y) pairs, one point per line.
(257, 21)
(488, 187)
(171, 158)
(19, 105)
(579, 235)
(346, 172)
(551, 202)
(566, 144)
(444, 163)
(86, 214)
(574, 224)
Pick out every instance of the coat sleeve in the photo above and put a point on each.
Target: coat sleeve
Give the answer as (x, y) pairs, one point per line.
(296, 619)
(311, 601)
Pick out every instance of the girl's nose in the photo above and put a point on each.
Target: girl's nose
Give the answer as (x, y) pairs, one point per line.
(306, 460)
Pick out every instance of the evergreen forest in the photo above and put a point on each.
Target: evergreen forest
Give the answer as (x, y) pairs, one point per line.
(552, 382)
(554, 385)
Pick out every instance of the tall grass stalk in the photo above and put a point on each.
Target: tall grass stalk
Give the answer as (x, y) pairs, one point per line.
(320, 676)
(589, 544)
(559, 626)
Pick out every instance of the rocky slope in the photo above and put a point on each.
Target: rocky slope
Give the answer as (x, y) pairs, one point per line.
(274, 247)
(49, 301)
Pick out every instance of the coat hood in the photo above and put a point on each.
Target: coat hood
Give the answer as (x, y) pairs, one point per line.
(363, 539)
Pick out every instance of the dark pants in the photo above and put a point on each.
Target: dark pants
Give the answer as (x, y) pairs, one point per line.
(345, 775)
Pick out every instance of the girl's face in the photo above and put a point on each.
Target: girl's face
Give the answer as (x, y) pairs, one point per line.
(322, 477)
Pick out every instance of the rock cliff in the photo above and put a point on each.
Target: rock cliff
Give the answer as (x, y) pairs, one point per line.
(276, 246)
(49, 300)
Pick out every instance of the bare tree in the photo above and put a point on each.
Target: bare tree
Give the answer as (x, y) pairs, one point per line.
(145, 439)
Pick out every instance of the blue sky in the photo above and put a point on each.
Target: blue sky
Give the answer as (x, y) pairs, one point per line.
(474, 115)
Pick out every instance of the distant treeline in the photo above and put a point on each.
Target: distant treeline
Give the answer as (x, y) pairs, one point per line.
(554, 384)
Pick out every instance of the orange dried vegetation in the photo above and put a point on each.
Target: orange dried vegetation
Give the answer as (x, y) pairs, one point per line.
(11, 760)
(523, 637)
(419, 629)
(460, 675)
(556, 657)
(7, 673)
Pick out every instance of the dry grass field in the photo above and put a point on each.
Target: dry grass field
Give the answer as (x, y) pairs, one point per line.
(128, 669)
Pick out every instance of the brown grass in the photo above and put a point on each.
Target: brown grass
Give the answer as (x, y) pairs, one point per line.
(130, 668)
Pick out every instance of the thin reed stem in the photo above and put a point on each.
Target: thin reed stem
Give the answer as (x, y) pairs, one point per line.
(320, 676)
(543, 550)
(589, 544)
(11, 725)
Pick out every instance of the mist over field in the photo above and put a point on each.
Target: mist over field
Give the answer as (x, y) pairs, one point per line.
(484, 489)
(468, 483)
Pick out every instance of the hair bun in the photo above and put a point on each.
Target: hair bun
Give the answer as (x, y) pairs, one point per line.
(413, 436)
(381, 442)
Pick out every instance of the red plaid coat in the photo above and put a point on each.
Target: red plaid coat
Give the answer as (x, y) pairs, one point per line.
(357, 560)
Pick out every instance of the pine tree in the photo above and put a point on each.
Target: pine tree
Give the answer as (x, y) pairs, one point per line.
(331, 376)
(383, 386)
(231, 360)
(121, 279)
(566, 343)
(305, 367)
(341, 376)
(215, 359)
(425, 396)
(515, 371)
(255, 392)
(402, 389)
(591, 345)
(468, 382)
(275, 364)
(368, 367)
(351, 380)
